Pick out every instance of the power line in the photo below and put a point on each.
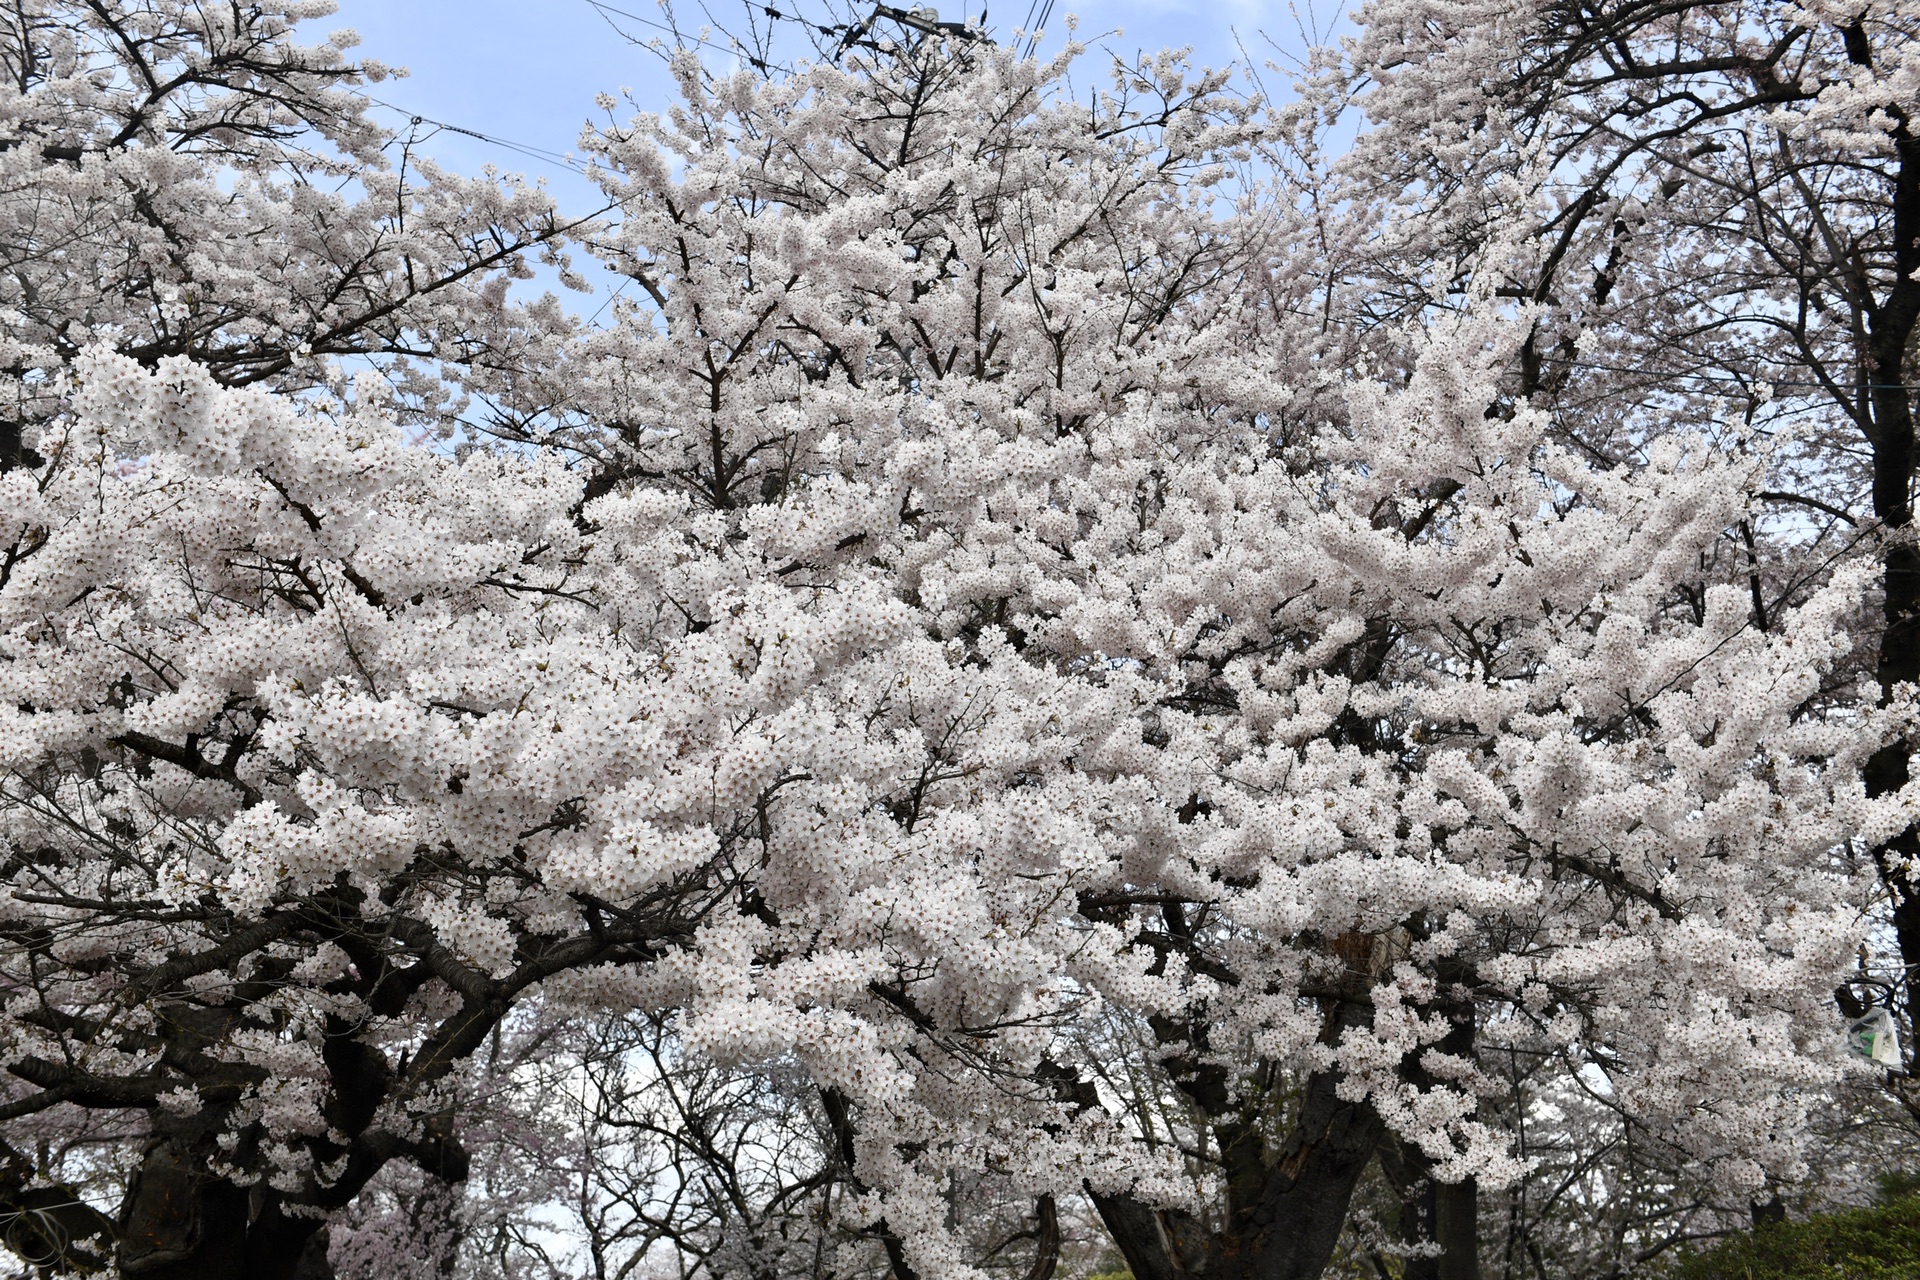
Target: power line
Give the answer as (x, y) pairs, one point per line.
(608, 300)
(1733, 379)
(525, 149)
(608, 11)
(914, 19)
(825, 29)
(1037, 28)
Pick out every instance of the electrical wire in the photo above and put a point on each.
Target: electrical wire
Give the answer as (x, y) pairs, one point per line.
(526, 149)
(608, 12)
(1727, 378)
(1039, 27)
(608, 300)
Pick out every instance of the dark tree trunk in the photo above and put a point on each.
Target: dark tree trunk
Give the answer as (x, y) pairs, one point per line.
(1446, 1214)
(49, 1227)
(1294, 1225)
(1285, 1209)
(1435, 1213)
(182, 1218)
(179, 1221)
(182, 1221)
(1891, 326)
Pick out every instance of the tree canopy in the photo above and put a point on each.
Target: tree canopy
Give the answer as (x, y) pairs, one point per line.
(1069, 681)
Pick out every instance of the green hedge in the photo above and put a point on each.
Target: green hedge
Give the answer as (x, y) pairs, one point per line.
(1864, 1244)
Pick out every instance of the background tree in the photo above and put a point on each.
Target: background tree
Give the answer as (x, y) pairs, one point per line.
(1721, 202)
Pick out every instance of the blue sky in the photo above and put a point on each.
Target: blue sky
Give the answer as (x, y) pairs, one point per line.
(527, 70)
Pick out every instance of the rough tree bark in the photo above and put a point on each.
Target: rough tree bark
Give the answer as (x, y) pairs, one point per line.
(1285, 1207)
(1887, 418)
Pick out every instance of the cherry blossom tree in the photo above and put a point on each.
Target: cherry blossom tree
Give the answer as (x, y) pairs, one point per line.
(1724, 203)
(969, 645)
(185, 179)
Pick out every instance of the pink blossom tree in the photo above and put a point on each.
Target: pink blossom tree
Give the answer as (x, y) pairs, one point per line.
(970, 617)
